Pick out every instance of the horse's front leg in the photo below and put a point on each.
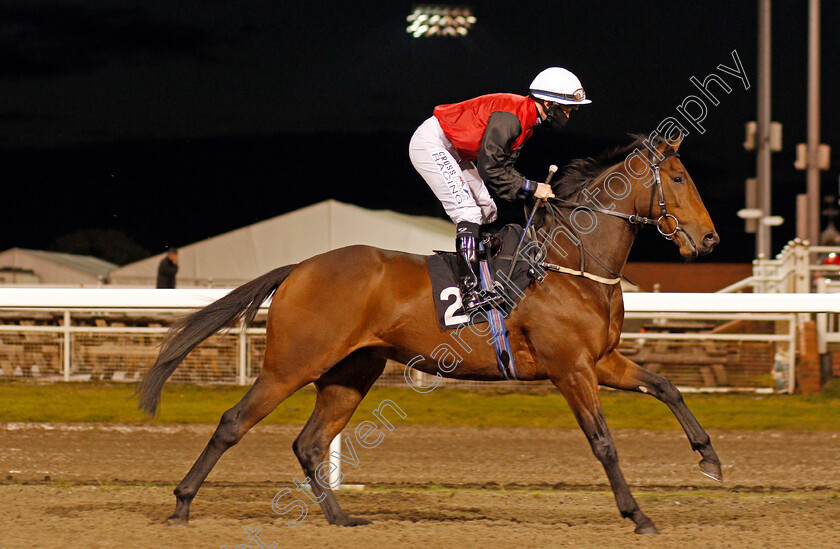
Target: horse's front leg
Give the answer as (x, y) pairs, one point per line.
(619, 372)
(580, 388)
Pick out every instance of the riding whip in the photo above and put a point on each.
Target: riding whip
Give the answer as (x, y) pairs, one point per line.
(551, 171)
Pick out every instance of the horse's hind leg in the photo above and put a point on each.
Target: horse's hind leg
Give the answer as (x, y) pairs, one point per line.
(340, 391)
(580, 388)
(619, 372)
(264, 396)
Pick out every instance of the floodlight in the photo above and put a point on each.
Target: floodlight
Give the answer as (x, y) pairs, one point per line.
(440, 20)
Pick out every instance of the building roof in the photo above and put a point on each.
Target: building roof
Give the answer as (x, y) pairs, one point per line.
(84, 263)
(246, 253)
(55, 267)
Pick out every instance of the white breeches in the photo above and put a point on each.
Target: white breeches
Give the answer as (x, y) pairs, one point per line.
(455, 182)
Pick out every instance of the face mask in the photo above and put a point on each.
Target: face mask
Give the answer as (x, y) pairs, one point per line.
(555, 118)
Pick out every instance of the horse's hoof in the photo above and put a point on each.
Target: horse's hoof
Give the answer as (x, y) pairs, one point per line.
(647, 529)
(352, 521)
(176, 521)
(711, 469)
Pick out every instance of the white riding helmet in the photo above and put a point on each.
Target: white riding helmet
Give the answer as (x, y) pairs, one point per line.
(558, 85)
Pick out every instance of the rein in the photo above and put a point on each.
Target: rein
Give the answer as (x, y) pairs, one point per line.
(555, 206)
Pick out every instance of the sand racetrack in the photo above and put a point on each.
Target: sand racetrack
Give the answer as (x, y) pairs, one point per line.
(88, 485)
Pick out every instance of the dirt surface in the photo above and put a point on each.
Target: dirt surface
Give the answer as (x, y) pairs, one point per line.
(111, 486)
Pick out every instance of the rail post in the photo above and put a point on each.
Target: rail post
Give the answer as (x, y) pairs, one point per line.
(242, 356)
(335, 470)
(802, 280)
(792, 325)
(67, 348)
(822, 320)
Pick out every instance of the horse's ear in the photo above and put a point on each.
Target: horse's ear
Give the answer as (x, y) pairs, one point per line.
(672, 138)
(676, 140)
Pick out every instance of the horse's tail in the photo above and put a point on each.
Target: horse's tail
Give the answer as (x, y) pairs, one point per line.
(185, 334)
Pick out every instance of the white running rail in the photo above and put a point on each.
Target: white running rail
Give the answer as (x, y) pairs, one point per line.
(148, 299)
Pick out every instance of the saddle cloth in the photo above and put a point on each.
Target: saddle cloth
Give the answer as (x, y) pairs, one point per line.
(443, 269)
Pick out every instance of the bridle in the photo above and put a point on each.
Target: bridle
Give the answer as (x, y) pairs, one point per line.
(556, 205)
(635, 219)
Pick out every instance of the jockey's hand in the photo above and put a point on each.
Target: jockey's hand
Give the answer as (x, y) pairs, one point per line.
(543, 191)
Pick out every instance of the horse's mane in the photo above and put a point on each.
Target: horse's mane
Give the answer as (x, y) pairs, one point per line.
(580, 173)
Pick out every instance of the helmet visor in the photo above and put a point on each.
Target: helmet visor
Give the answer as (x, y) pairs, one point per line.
(577, 97)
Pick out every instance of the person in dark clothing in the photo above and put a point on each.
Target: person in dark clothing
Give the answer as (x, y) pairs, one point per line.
(466, 147)
(167, 269)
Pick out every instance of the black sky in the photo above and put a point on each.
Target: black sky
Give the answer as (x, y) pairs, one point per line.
(175, 121)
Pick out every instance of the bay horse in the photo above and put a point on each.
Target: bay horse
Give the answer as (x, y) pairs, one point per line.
(335, 318)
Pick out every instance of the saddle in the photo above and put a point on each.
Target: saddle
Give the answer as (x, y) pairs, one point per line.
(497, 251)
(504, 279)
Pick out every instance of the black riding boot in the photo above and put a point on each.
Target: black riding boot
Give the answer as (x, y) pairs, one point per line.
(466, 244)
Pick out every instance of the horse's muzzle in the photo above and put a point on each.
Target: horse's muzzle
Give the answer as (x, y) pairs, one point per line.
(708, 243)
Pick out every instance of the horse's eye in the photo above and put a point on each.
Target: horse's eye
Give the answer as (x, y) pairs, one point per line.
(677, 179)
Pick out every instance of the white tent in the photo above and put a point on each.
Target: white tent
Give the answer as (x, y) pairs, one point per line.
(244, 254)
(21, 266)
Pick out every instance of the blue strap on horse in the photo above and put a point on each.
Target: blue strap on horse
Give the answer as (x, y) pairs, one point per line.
(498, 330)
(504, 354)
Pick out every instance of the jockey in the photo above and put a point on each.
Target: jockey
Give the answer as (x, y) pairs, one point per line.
(476, 142)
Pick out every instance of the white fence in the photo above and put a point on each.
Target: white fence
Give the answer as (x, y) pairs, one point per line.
(78, 334)
(798, 268)
(188, 299)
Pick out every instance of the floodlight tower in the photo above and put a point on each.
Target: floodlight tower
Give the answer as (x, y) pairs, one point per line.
(813, 170)
(440, 20)
(763, 169)
(764, 137)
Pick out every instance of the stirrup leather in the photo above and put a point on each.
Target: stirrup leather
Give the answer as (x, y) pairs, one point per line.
(468, 281)
(473, 297)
